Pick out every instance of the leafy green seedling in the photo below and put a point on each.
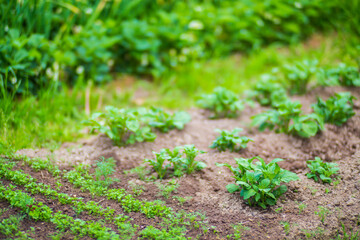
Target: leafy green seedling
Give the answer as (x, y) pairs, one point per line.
(140, 171)
(230, 140)
(322, 213)
(288, 119)
(268, 92)
(298, 75)
(222, 103)
(159, 164)
(189, 164)
(103, 170)
(286, 226)
(301, 207)
(165, 121)
(167, 189)
(123, 126)
(259, 183)
(182, 200)
(239, 229)
(337, 109)
(320, 170)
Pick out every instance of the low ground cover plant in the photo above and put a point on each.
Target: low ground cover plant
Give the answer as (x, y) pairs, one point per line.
(287, 119)
(321, 171)
(221, 103)
(259, 183)
(127, 126)
(337, 109)
(180, 160)
(230, 140)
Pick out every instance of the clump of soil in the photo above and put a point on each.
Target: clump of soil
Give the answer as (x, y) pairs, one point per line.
(207, 188)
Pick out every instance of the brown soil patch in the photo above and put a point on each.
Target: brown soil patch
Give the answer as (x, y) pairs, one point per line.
(207, 188)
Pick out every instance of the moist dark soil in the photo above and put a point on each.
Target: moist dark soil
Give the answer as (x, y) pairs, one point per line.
(206, 189)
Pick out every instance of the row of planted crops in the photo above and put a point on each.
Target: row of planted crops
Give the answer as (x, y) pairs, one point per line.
(259, 183)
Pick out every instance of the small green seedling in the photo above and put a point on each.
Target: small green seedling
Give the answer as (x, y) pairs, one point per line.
(165, 121)
(230, 140)
(298, 75)
(123, 126)
(239, 229)
(105, 168)
(321, 170)
(259, 183)
(167, 189)
(337, 109)
(181, 159)
(222, 103)
(286, 226)
(182, 200)
(322, 213)
(301, 207)
(140, 171)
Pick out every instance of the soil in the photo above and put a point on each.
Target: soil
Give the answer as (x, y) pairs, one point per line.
(207, 187)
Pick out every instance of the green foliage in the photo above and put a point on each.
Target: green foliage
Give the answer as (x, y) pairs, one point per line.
(230, 140)
(268, 92)
(89, 39)
(337, 109)
(140, 171)
(165, 121)
(298, 75)
(288, 119)
(121, 125)
(167, 189)
(322, 213)
(286, 226)
(238, 231)
(260, 183)
(104, 169)
(343, 75)
(320, 170)
(181, 159)
(222, 103)
(10, 226)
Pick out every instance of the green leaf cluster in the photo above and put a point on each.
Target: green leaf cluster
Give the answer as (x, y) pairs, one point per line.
(298, 75)
(287, 119)
(165, 121)
(105, 168)
(127, 126)
(259, 183)
(222, 103)
(268, 92)
(230, 140)
(320, 170)
(343, 75)
(337, 109)
(181, 160)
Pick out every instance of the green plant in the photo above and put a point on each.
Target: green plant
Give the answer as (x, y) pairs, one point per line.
(337, 109)
(268, 92)
(105, 168)
(175, 158)
(182, 200)
(286, 226)
(298, 75)
(165, 121)
(121, 125)
(260, 183)
(348, 236)
(230, 140)
(342, 75)
(288, 119)
(167, 189)
(301, 207)
(320, 170)
(239, 229)
(10, 226)
(322, 213)
(222, 103)
(140, 171)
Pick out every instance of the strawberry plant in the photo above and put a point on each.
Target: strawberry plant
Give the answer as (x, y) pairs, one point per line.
(230, 140)
(121, 125)
(337, 109)
(288, 119)
(299, 74)
(165, 121)
(222, 103)
(259, 183)
(320, 170)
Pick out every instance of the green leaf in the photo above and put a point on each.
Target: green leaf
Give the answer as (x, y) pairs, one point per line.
(232, 188)
(132, 124)
(249, 193)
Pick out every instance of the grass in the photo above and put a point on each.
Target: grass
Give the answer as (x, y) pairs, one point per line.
(53, 117)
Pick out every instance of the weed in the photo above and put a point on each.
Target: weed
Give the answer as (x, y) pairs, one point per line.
(279, 209)
(167, 189)
(286, 226)
(222, 103)
(321, 170)
(182, 200)
(137, 189)
(348, 236)
(140, 171)
(322, 213)
(313, 234)
(301, 207)
(230, 140)
(105, 168)
(259, 183)
(239, 229)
